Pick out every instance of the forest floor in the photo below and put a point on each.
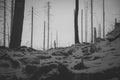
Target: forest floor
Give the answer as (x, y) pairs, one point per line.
(100, 61)
(69, 63)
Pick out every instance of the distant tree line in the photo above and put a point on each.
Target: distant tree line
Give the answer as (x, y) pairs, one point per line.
(17, 17)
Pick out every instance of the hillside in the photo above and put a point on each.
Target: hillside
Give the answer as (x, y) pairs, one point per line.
(76, 62)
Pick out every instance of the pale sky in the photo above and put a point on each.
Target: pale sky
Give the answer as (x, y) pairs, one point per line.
(62, 19)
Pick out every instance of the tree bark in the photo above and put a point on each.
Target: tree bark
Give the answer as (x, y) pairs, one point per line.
(95, 34)
(4, 39)
(92, 21)
(44, 35)
(76, 22)
(81, 25)
(16, 33)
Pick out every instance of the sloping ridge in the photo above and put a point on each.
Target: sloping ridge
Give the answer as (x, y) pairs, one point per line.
(113, 35)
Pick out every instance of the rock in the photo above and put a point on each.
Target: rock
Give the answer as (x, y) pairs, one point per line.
(44, 56)
(29, 60)
(13, 62)
(60, 53)
(41, 73)
(64, 73)
(25, 49)
(80, 65)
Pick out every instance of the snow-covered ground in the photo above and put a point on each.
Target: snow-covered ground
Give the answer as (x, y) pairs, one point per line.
(100, 61)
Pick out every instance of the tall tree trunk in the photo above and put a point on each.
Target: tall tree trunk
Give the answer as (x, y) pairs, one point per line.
(51, 41)
(56, 38)
(44, 35)
(32, 28)
(4, 39)
(76, 21)
(81, 25)
(103, 19)
(115, 20)
(91, 21)
(95, 34)
(86, 20)
(12, 15)
(54, 44)
(16, 33)
(8, 35)
(99, 31)
(48, 25)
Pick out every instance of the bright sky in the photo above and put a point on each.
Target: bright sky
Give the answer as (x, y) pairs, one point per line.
(62, 19)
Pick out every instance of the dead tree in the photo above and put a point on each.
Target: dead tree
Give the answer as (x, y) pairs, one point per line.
(12, 15)
(86, 20)
(99, 31)
(51, 40)
(91, 21)
(95, 34)
(115, 20)
(82, 26)
(76, 21)
(56, 38)
(54, 44)
(16, 33)
(8, 35)
(32, 28)
(103, 19)
(44, 36)
(4, 38)
(48, 24)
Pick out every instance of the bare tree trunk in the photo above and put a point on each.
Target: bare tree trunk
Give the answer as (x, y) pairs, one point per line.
(82, 26)
(95, 34)
(54, 44)
(99, 31)
(32, 28)
(48, 24)
(4, 39)
(103, 19)
(115, 20)
(12, 15)
(56, 38)
(76, 22)
(16, 33)
(86, 20)
(51, 39)
(8, 36)
(44, 36)
(91, 21)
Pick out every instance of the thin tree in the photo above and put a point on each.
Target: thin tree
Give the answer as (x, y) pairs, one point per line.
(103, 19)
(86, 20)
(16, 33)
(4, 39)
(44, 36)
(8, 35)
(48, 24)
(81, 25)
(56, 38)
(51, 39)
(76, 21)
(91, 21)
(54, 43)
(115, 20)
(99, 31)
(12, 14)
(32, 28)
(95, 34)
